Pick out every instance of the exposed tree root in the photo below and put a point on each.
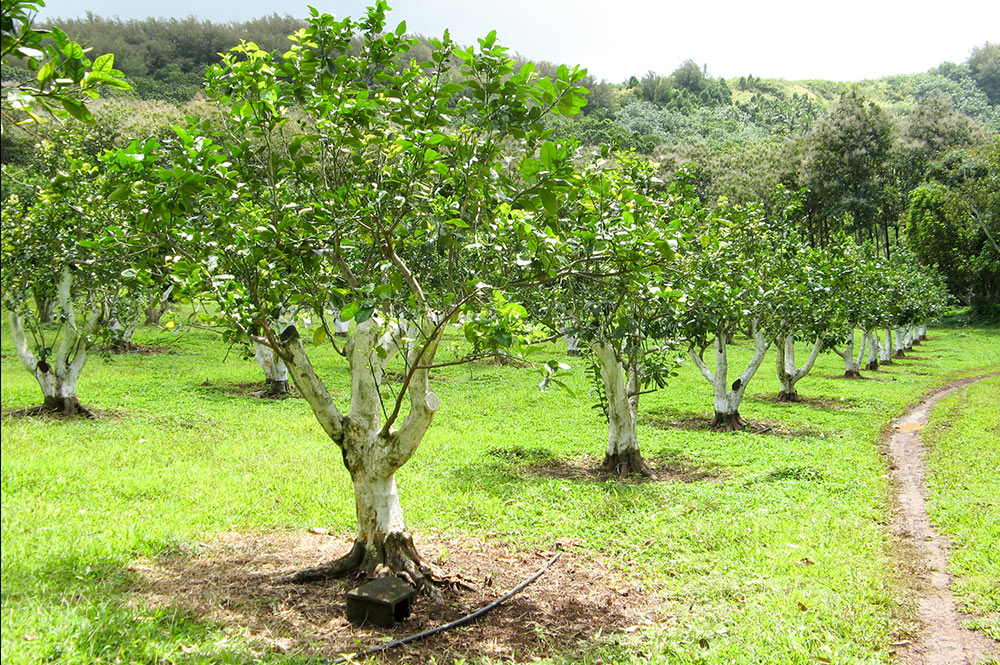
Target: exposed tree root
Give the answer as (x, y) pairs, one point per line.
(789, 396)
(123, 346)
(276, 388)
(395, 554)
(853, 374)
(899, 354)
(67, 408)
(727, 422)
(872, 366)
(628, 463)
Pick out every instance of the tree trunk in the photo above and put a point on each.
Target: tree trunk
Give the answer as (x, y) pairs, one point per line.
(373, 451)
(275, 370)
(121, 336)
(922, 333)
(873, 350)
(885, 352)
(851, 366)
(788, 374)
(900, 341)
(57, 374)
(340, 328)
(45, 307)
(621, 387)
(572, 346)
(728, 398)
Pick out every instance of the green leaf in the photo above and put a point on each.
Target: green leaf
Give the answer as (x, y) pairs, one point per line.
(77, 109)
(45, 72)
(120, 193)
(104, 63)
(348, 312)
(364, 313)
(319, 336)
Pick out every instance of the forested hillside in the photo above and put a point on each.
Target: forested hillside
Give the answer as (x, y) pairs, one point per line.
(911, 158)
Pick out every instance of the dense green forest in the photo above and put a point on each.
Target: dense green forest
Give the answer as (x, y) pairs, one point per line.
(909, 159)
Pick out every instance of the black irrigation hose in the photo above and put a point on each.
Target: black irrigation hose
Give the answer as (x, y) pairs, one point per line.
(454, 624)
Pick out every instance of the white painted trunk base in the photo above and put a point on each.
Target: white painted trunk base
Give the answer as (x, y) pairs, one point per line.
(788, 374)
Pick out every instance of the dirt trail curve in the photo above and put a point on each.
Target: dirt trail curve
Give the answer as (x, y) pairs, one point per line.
(942, 640)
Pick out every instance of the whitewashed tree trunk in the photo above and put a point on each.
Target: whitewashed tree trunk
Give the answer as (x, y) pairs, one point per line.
(852, 366)
(885, 352)
(275, 370)
(57, 376)
(901, 334)
(788, 374)
(621, 388)
(871, 339)
(121, 335)
(572, 346)
(372, 452)
(728, 398)
(340, 328)
(922, 333)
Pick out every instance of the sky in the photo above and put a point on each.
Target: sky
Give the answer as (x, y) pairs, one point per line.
(846, 40)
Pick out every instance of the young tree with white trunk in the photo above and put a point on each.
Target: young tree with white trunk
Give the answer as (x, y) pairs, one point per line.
(618, 311)
(69, 247)
(407, 197)
(728, 293)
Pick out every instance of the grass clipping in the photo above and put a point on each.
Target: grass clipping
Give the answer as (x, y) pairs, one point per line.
(231, 581)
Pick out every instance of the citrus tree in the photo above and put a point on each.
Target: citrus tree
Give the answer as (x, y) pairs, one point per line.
(619, 309)
(409, 196)
(68, 247)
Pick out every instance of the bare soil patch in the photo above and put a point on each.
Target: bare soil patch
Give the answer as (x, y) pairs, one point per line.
(824, 403)
(138, 349)
(922, 552)
(96, 414)
(231, 580)
(665, 468)
(255, 389)
(869, 375)
(691, 422)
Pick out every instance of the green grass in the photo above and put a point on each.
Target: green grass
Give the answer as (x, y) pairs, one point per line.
(964, 486)
(174, 460)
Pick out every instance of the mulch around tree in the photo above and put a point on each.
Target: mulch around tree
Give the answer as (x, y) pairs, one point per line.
(588, 468)
(232, 580)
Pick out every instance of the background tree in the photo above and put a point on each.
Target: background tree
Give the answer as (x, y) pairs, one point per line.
(70, 249)
(984, 63)
(843, 171)
(620, 308)
(954, 223)
(726, 294)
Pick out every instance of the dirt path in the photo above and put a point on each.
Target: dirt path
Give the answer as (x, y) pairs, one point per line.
(942, 640)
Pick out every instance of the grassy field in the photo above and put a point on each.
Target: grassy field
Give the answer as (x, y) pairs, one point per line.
(964, 440)
(774, 551)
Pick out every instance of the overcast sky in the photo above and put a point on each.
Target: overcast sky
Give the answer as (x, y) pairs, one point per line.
(846, 40)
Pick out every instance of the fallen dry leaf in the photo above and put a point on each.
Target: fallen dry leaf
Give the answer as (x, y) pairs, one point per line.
(909, 427)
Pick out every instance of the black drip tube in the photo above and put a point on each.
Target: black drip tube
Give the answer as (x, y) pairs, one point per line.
(454, 624)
